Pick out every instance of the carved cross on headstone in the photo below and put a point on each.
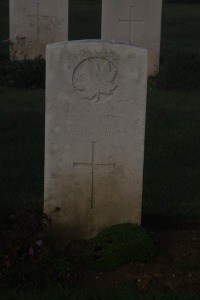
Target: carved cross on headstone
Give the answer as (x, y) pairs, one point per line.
(132, 21)
(38, 18)
(93, 165)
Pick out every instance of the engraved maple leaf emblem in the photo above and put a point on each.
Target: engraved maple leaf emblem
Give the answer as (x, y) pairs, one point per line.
(95, 77)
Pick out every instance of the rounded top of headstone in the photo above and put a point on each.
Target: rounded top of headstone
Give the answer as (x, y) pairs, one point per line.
(96, 42)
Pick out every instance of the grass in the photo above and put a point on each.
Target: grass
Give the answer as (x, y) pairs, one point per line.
(22, 148)
(180, 27)
(171, 169)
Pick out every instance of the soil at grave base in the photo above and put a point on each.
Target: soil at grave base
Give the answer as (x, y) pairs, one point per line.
(176, 268)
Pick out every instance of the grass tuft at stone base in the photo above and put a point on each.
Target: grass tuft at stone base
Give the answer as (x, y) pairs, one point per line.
(118, 245)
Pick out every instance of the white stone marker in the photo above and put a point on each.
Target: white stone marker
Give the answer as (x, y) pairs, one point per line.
(94, 139)
(134, 21)
(36, 23)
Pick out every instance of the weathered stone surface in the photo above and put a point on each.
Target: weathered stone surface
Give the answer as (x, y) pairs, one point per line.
(134, 21)
(95, 122)
(36, 23)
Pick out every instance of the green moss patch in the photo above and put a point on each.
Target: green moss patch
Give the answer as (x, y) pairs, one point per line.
(118, 245)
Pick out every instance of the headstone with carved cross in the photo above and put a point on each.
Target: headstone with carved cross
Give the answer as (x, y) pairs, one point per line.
(134, 21)
(34, 24)
(94, 137)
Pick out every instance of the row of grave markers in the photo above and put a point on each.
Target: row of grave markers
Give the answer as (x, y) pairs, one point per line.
(95, 111)
(36, 23)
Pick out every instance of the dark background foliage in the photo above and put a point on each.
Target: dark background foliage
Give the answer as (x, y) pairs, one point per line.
(180, 71)
(26, 73)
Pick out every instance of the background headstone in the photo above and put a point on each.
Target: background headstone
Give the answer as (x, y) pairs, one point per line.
(94, 139)
(36, 23)
(134, 21)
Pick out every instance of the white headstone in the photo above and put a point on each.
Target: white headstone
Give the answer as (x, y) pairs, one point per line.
(94, 139)
(134, 21)
(36, 23)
